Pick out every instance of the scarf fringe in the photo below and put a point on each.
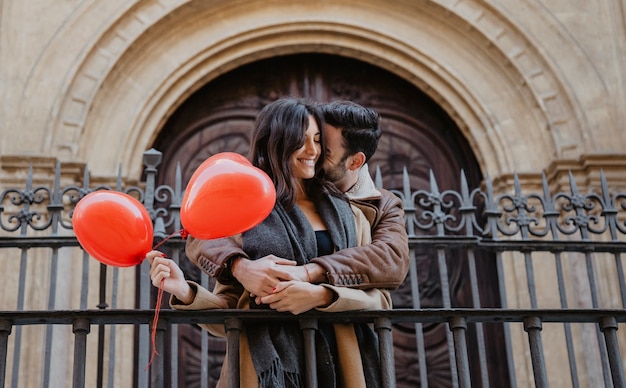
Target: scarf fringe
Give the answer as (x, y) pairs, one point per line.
(277, 377)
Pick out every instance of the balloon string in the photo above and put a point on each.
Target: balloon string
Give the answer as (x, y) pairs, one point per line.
(183, 234)
(157, 309)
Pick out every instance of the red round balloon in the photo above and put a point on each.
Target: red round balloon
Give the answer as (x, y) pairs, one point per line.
(226, 195)
(235, 157)
(113, 227)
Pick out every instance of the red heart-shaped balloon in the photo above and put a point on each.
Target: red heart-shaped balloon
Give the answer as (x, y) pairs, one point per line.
(226, 195)
(113, 227)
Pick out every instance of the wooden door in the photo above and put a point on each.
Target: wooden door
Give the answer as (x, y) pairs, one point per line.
(417, 134)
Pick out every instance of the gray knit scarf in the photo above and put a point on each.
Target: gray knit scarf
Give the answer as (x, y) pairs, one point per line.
(277, 348)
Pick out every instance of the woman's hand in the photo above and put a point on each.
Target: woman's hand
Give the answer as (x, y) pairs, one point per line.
(166, 274)
(297, 297)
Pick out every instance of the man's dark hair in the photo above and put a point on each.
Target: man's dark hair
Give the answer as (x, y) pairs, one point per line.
(360, 126)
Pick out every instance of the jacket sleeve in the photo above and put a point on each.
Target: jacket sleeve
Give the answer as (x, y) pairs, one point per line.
(350, 299)
(214, 256)
(222, 297)
(382, 264)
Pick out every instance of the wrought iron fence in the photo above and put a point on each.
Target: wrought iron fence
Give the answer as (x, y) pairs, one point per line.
(494, 271)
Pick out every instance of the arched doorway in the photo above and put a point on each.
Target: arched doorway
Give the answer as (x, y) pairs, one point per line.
(418, 135)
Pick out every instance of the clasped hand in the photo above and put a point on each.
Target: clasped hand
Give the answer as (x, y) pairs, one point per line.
(297, 297)
(275, 278)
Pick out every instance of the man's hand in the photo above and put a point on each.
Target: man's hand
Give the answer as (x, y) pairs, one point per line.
(260, 276)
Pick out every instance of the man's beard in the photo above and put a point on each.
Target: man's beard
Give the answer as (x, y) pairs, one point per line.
(336, 172)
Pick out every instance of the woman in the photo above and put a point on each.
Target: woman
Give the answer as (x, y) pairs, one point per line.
(310, 218)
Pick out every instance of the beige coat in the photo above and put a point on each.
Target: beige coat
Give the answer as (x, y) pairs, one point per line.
(347, 299)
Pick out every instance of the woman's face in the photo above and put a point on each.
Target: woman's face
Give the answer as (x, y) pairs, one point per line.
(303, 159)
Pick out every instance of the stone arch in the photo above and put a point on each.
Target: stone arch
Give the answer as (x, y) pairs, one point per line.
(155, 54)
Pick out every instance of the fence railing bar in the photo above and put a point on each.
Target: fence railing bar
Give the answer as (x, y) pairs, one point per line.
(204, 341)
(25, 242)
(608, 325)
(233, 328)
(447, 303)
(566, 325)
(480, 335)
(52, 287)
(21, 291)
(80, 328)
(530, 279)
(157, 366)
(112, 331)
(593, 289)
(468, 211)
(84, 281)
(419, 331)
(533, 326)
(111, 363)
(429, 315)
(507, 330)
(101, 328)
(458, 326)
(204, 357)
(620, 277)
(143, 352)
(423, 241)
(5, 330)
(385, 340)
(16, 357)
(56, 200)
(20, 306)
(174, 342)
(517, 246)
(308, 328)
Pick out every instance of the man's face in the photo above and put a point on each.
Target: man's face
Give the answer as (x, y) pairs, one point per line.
(336, 154)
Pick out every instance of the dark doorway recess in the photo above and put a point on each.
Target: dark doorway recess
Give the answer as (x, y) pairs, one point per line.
(418, 135)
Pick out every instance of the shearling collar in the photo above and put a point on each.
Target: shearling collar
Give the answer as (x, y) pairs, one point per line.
(364, 187)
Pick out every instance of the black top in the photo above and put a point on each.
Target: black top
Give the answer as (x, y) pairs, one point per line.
(324, 243)
(325, 247)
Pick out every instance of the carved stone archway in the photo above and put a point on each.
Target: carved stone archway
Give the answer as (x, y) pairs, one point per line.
(131, 74)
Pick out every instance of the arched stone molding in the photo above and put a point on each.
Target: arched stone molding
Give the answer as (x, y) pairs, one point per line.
(560, 43)
(488, 75)
(52, 84)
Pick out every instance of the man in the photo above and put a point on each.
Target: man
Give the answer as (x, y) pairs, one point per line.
(352, 133)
